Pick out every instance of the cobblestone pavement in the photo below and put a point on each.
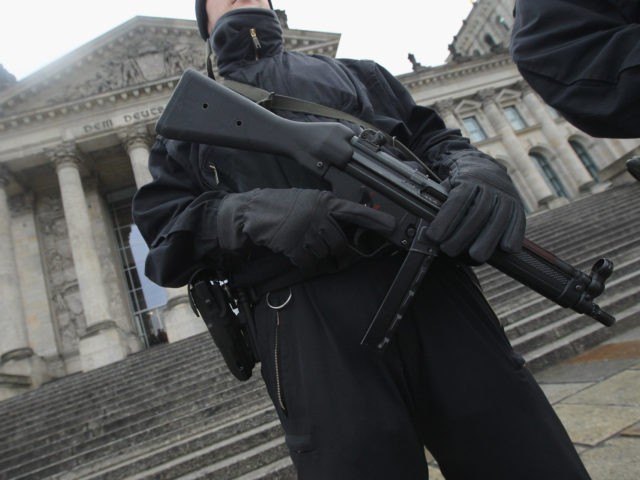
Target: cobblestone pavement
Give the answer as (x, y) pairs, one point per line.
(597, 397)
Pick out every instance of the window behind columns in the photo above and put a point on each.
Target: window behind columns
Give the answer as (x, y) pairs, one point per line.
(514, 117)
(147, 298)
(585, 158)
(550, 174)
(474, 129)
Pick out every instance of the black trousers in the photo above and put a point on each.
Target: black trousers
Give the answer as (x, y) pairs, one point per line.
(450, 381)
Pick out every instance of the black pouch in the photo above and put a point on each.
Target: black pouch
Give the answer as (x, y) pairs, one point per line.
(225, 323)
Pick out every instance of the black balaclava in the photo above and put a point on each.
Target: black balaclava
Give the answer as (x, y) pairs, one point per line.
(201, 17)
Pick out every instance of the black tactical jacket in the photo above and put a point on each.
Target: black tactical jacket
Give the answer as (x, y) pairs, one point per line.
(176, 212)
(583, 58)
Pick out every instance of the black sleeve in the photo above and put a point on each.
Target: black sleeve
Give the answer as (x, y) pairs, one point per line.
(424, 131)
(176, 215)
(583, 58)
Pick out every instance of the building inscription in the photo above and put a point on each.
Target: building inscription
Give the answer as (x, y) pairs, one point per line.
(122, 120)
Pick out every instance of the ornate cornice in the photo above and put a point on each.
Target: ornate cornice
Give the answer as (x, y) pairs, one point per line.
(450, 72)
(140, 58)
(66, 110)
(65, 154)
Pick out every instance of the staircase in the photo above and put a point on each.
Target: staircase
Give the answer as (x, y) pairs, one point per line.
(174, 412)
(169, 412)
(602, 225)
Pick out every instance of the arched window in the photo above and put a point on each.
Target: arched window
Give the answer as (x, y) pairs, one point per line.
(488, 39)
(473, 127)
(585, 158)
(549, 174)
(514, 117)
(500, 20)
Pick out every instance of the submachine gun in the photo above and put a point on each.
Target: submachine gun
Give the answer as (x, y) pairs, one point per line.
(202, 110)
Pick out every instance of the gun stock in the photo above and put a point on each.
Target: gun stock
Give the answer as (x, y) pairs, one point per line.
(202, 110)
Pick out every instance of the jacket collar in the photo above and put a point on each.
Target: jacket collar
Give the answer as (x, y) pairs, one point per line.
(245, 35)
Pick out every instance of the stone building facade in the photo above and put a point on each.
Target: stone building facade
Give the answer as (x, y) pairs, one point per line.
(74, 143)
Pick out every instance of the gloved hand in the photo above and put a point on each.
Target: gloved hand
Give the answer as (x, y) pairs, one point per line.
(483, 210)
(303, 224)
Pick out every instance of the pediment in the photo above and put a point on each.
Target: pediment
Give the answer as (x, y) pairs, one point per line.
(466, 106)
(138, 53)
(507, 95)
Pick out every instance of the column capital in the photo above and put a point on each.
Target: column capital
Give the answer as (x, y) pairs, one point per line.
(487, 95)
(6, 177)
(135, 137)
(23, 203)
(445, 105)
(524, 87)
(65, 154)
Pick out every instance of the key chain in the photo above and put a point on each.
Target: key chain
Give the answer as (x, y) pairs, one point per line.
(276, 352)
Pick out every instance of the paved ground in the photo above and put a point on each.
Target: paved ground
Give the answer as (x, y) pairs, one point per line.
(597, 397)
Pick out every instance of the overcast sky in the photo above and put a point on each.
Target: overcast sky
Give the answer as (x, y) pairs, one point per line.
(34, 33)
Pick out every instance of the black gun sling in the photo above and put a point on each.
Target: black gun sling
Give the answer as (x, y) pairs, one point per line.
(274, 101)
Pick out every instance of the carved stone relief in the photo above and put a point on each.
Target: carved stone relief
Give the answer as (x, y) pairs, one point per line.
(137, 62)
(59, 269)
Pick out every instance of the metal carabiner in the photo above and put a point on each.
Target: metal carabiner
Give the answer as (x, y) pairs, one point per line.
(282, 305)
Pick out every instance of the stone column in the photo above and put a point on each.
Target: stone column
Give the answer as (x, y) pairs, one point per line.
(178, 318)
(136, 142)
(445, 109)
(534, 180)
(31, 277)
(20, 368)
(578, 173)
(103, 342)
(14, 341)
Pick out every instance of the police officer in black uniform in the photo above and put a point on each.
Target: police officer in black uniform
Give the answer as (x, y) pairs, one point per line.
(449, 380)
(583, 58)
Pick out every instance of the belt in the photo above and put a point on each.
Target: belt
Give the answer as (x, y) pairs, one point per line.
(274, 272)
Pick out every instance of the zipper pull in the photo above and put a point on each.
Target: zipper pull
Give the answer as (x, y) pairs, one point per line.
(256, 42)
(215, 173)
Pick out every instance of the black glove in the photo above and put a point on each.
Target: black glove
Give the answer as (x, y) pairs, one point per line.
(483, 210)
(303, 224)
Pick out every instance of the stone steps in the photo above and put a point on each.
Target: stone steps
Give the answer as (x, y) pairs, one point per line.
(175, 412)
(527, 303)
(60, 455)
(166, 359)
(581, 339)
(583, 221)
(111, 413)
(583, 259)
(177, 456)
(110, 406)
(563, 326)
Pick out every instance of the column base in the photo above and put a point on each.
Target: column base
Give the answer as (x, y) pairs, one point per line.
(102, 344)
(600, 187)
(179, 320)
(587, 187)
(21, 370)
(553, 202)
(12, 385)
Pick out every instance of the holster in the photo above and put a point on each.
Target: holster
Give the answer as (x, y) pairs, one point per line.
(226, 321)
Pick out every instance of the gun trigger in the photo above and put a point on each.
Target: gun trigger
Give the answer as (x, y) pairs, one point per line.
(374, 139)
(365, 197)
